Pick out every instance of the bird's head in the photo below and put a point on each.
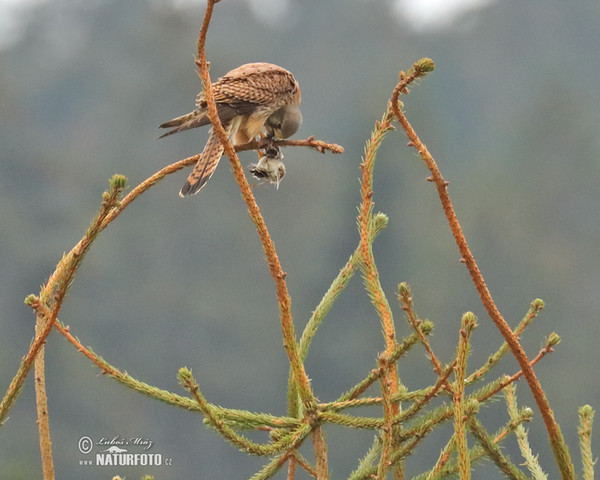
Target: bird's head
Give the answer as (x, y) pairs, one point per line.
(284, 122)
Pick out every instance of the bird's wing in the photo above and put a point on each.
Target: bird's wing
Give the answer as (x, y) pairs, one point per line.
(198, 118)
(242, 91)
(252, 85)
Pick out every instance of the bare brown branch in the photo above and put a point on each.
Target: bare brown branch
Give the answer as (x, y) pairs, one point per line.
(559, 447)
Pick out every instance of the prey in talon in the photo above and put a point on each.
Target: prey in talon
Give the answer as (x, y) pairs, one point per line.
(269, 168)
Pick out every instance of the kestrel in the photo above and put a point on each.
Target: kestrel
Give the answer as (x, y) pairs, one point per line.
(252, 99)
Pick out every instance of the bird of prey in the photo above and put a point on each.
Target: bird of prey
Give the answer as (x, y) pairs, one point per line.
(251, 99)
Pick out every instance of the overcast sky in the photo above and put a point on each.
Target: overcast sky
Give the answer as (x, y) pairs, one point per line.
(420, 14)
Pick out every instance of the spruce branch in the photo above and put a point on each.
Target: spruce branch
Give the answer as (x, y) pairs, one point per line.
(365, 224)
(586, 419)
(420, 399)
(476, 453)
(310, 142)
(296, 457)
(552, 340)
(291, 440)
(124, 378)
(406, 303)
(557, 442)
(320, 450)
(387, 431)
(246, 420)
(531, 460)
(398, 351)
(468, 324)
(431, 392)
(236, 419)
(493, 450)
(41, 402)
(319, 313)
(301, 381)
(54, 291)
(366, 463)
(337, 286)
(271, 468)
(283, 296)
(399, 431)
(371, 280)
(51, 297)
(436, 472)
(534, 309)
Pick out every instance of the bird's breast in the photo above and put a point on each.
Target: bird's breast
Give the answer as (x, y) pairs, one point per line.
(249, 126)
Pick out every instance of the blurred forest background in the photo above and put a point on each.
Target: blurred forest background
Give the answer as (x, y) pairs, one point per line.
(511, 114)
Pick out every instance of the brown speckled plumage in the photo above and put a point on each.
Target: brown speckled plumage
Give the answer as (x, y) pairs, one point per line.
(246, 97)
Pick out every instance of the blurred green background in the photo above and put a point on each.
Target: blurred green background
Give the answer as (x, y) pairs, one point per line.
(511, 114)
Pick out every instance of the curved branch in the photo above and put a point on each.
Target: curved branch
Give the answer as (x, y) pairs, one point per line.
(560, 449)
(283, 296)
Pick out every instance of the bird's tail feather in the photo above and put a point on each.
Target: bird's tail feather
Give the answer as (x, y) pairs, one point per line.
(194, 119)
(206, 164)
